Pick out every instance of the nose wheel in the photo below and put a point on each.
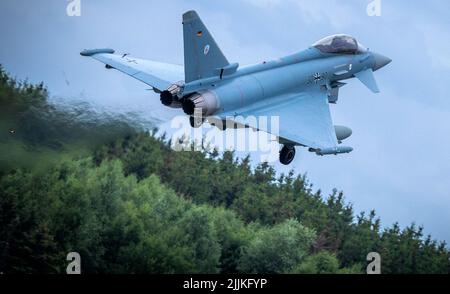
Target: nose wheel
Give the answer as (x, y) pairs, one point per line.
(287, 154)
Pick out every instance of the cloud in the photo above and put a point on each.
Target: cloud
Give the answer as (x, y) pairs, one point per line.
(400, 162)
(265, 4)
(437, 40)
(339, 14)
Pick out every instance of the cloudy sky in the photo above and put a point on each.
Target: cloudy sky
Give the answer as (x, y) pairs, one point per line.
(401, 163)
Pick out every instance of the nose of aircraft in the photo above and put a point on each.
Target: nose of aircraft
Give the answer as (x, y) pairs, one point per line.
(380, 61)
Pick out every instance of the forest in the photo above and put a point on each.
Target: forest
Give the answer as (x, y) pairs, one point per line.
(72, 179)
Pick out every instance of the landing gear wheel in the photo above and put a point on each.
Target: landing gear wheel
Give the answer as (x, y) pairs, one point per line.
(287, 154)
(195, 122)
(221, 125)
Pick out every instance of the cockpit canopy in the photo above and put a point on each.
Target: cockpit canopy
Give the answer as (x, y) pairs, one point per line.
(339, 44)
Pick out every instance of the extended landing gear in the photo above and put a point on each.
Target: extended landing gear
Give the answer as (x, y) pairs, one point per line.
(220, 124)
(287, 154)
(195, 122)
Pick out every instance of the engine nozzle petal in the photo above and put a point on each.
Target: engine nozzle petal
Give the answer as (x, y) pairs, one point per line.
(206, 101)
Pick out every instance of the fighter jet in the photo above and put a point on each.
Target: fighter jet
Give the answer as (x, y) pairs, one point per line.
(297, 88)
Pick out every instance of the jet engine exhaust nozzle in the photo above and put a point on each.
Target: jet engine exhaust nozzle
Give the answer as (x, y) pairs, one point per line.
(166, 98)
(169, 97)
(206, 101)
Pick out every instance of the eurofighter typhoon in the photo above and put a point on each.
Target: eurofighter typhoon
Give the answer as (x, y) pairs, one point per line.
(295, 88)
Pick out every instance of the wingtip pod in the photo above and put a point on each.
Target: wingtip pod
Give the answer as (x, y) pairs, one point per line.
(90, 52)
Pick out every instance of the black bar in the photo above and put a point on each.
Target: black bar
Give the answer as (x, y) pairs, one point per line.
(298, 283)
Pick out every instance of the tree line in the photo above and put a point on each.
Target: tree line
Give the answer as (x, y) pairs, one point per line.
(119, 196)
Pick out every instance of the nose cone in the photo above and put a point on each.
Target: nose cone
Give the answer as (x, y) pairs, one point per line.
(380, 61)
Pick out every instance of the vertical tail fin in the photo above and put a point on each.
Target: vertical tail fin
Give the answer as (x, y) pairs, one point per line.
(202, 56)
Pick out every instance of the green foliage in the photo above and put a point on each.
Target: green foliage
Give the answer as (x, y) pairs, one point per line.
(324, 263)
(277, 249)
(116, 223)
(132, 205)
(35, 133)
(321, 263)
(232, 235)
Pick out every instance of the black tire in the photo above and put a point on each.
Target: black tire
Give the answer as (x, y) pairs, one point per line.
(221, 125)
(195, 122)
(287, 154)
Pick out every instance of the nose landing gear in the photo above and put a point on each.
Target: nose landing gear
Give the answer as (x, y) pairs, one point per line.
(287, 154)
